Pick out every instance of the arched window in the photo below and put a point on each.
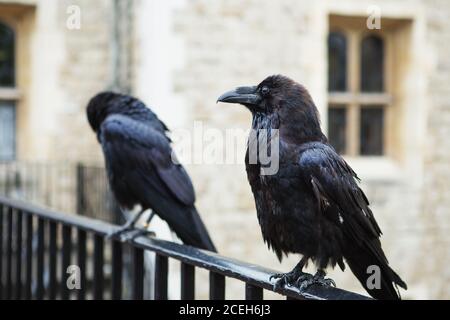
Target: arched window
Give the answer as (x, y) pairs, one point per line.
(7, 107)
(372, 64)
(357, 95)
(7, 63)
(337, 62)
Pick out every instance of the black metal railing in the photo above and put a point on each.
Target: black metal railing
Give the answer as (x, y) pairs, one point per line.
(80, 241)
(76, 188)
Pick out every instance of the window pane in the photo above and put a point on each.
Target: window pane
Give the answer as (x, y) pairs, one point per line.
(372, 62)
(337, 125)
(6, 56)
(337, 62)
(371, 131)
(7, 131)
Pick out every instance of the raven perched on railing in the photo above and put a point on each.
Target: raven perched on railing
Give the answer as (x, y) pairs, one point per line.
(312, 205)
(141, 168)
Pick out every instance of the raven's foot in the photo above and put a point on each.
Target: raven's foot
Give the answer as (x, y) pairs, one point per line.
(133, 234)
(289, 278)
(318, 278)
(120, 232)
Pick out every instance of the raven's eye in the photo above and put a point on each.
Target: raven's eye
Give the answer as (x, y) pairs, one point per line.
(265, 91)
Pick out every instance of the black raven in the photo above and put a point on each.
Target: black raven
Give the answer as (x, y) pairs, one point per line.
(141, 168)
(312, 205)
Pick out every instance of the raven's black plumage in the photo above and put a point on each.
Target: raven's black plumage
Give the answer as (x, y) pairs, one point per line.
(140, 166)
(312, 205)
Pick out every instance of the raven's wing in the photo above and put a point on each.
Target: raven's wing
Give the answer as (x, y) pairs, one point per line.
(139, 147)
(139, 159)
(341, 201)
(333, 181)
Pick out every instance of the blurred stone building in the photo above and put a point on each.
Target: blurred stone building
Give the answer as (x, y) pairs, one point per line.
(381, 85)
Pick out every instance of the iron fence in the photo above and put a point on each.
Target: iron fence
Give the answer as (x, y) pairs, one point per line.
(73, 188)
(80, 241)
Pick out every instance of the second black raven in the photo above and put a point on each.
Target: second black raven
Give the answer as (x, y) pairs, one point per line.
(312, 205)
(141, 167)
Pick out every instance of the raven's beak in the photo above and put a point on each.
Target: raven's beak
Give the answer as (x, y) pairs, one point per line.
(247, 96)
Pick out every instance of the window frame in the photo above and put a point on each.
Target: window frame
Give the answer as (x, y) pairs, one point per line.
(12, 94)
(354, 99)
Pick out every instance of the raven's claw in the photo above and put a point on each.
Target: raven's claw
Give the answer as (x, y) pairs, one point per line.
(288, 279)
(137, 233)
(127, 233)
(318, 278)
(119, 232)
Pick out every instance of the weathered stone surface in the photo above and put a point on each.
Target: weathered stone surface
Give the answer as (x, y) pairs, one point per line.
(221, 44)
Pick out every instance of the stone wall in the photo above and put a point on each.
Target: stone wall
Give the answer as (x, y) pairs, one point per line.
(230, 43)
(68, 65)
(436, 189)
(179, 56)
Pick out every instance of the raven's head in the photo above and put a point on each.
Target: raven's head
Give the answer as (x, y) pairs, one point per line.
(281, 97)
(100, 106)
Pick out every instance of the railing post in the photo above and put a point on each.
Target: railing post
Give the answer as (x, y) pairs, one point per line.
(40, 260)
(29, 256)
(252, 292)
(138, 273)
(81, 258)
(9, 225)
(65, 263)
(1, 252)
(116, 283)
(161, 273)
(216, 286)
(52, 259)
(18, 285)
(187, 281)
(80, 185)
(17, 181)
(98, 267)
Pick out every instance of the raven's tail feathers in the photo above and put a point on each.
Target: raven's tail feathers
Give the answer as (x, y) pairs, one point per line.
(368, 263)
(202, 239)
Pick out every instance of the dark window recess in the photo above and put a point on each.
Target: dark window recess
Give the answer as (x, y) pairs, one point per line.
(371, 131)
(337, 62)
(372, 64)
(7, 131)
(337, 124)
(6, 56)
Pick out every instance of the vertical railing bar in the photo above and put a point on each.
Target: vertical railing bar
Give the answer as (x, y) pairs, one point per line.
(19, 255)
(9, 253)
(40, 260)
(138, 273)
(65, 260)
(216, 286)
(98, 267)
(252, 292)
(81, 258)
(187, 281)
(29, 256)
(52, 259)
(116, 285)
(80, 189)
(161, 276)
(1, 251)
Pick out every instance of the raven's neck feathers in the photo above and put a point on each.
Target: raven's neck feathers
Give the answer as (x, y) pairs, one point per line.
(296, 119)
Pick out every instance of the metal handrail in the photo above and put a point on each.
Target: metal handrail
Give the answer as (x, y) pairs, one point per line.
(255, 277)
